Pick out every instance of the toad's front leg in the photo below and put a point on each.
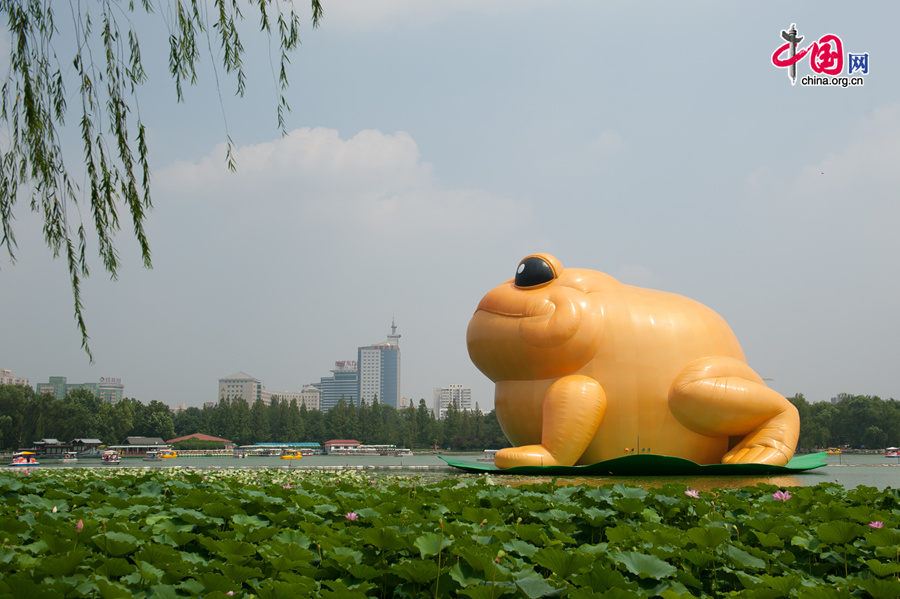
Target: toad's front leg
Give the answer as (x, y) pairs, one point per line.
(572, 410)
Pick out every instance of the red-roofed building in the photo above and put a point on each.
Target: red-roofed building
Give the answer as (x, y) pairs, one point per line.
(202, 437)
(340, 445)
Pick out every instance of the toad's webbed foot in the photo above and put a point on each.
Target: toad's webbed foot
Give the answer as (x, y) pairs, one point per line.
(720, 396)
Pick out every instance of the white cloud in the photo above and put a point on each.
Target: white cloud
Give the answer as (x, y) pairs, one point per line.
(853, 189)
(871, 157)
(853, 184)
(370, 180)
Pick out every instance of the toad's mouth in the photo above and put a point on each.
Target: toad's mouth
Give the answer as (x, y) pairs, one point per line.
(517, 305)
(545, 319)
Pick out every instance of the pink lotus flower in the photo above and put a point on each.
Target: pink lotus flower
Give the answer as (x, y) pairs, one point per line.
(79, 526)
(54, 509)
(351, 516)
(781, 495)
(876, 524)
(230, 593)
(693, 493)
(286, 487)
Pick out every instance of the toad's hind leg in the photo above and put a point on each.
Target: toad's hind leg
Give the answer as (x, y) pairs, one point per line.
(572, 410)
(720, 396)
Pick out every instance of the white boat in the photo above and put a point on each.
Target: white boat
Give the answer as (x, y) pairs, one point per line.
(24, 459)
(110, 456)
(152, 456)
(69, 457)
(892, 452)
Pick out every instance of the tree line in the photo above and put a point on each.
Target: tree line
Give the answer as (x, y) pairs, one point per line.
(860, 421)
(26, 417)
(371, 423)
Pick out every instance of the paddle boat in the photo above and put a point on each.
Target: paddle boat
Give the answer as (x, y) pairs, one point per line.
(69, 457)
(833, 451)
(110, 456)
(168, 455)
(152, 456)
(892, 452)
(291, 454)
(23, 459)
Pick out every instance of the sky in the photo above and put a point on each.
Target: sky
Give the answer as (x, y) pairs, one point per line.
(433, 144)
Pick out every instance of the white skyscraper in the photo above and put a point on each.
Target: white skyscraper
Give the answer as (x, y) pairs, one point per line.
(8, 378)
(379, 370)
(241, 384)
(451, 394)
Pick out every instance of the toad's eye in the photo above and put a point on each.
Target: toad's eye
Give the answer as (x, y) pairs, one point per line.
(533, 271)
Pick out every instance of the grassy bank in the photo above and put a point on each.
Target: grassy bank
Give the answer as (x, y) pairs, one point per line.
(168, 533)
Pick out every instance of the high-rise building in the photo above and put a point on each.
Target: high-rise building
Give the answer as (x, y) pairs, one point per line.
(109, 389)
(8, 378)
(456, 395)
(343, 383)
(379, 370)
(240, 384)
(55, 386)
(308, 397)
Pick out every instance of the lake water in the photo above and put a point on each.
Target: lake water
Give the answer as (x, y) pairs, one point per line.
(849, 470)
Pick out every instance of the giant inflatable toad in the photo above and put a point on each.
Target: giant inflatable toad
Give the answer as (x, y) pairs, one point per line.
(588, 368)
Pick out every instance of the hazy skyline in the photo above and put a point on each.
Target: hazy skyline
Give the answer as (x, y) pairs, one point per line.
(432, 145)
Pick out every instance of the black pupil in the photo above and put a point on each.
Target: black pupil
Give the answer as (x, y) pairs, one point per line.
(533, 271)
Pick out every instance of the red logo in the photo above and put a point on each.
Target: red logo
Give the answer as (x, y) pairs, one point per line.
(825, 56)
(826, 59)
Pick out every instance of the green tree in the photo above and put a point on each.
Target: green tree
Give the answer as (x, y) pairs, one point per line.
(856, 414)
(371, 422)
(259, 422)
(41, 418)
(892, 421)
(35, 105)
(336, 420)
(314, 422)
(241, 419)
(153, 420)
(409, 435)
(294, 424)
(123, 418)
(874, 438)
(276, 419)
(354, 430)
(6, 427)
(425, 426)
(15, 403)
(190, 421)
(451, 426)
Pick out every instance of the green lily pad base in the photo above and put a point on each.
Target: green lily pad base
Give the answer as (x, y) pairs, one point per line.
(648, 465)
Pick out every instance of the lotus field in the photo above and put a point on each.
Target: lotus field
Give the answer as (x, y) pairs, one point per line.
(283, 533)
